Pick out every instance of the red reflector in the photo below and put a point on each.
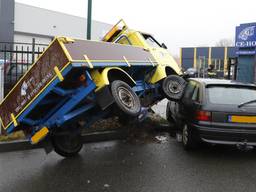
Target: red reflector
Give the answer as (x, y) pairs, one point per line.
(203, 116)
(82, 78)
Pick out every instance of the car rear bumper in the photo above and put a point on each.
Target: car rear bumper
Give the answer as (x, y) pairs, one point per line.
(228, 135)
(229, 142)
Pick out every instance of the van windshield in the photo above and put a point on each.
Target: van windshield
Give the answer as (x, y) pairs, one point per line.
(233, 95)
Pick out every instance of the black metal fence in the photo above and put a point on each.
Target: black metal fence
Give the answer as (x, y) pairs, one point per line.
(16, 59)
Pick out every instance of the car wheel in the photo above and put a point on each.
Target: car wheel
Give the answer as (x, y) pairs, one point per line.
(68, 144)
(125, 98)
(170, 120)
(188, 140)
(173, 87)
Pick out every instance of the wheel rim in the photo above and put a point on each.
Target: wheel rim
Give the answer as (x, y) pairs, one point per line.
(126, 97)
(174, 87)
(185, 134)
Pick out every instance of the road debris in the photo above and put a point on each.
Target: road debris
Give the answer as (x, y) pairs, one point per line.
(106, 185)
(161, 138)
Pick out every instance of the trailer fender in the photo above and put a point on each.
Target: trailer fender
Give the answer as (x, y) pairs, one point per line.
(109, 74)
(103, 79)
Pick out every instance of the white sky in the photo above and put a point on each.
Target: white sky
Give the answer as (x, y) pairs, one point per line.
(180, 23)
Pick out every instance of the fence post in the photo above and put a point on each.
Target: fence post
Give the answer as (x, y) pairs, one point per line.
(33, 50)
(1, 88)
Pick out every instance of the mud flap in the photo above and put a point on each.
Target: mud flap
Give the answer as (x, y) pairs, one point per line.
(47, 145)
(104, 97)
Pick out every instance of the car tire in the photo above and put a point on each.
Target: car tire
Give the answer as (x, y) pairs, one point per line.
(125, 98)
(68, 144)
(170, 120)
(188, 140)
(173, 87)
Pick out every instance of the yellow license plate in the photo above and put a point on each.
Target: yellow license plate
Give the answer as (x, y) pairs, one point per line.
(242, 119)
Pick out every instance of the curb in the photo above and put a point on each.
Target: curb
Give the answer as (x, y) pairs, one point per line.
(87, 138)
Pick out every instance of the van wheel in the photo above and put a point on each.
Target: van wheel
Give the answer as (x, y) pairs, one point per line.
(125, 98)
(67, 144)
(188, 140)
(173, 87)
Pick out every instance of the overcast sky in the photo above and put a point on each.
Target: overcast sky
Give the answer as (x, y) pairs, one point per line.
(181, 23)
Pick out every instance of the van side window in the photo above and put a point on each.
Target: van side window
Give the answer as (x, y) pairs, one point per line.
(123, 39)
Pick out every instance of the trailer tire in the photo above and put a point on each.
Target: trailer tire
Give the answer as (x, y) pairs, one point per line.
(67, 145)
(173, 87)
(125, 98)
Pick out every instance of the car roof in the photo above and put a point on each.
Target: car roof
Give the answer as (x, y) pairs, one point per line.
(207, 81)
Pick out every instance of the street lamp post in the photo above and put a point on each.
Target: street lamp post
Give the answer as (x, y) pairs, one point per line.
(89, 19)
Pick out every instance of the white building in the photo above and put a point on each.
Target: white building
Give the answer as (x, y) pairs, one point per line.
(21, 23)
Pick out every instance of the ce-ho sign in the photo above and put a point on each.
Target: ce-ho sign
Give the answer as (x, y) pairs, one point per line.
(246, 35)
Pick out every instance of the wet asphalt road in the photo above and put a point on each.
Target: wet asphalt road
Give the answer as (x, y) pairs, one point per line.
(121, 166)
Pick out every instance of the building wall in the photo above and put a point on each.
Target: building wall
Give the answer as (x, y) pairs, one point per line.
(21, 23)
(27, 38)
(209, 55)
(187, 57)
(232, 52)
(246, 69)
(6, 20)
(218, 52)
(202, 52)
(45, 24)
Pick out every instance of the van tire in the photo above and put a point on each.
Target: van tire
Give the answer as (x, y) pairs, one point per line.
(173, 87)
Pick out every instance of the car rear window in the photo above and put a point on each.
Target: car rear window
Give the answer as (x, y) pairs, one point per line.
(231, 94)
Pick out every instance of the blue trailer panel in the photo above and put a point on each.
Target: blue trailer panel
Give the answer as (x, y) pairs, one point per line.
(59, 86)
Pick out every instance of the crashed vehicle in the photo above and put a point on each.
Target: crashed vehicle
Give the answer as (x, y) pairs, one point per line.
(214, 111)
(165, 72)
(77, 82)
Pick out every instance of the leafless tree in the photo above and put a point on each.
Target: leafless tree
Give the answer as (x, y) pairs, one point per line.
(227, 42)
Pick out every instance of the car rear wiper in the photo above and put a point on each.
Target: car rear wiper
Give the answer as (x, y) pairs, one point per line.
(246, 103)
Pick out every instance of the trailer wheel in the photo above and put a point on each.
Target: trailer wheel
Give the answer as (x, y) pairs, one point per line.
(125, 98)
(67, 145)
(173, 87)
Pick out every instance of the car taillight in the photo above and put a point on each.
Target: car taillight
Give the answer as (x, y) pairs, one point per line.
(203, 116)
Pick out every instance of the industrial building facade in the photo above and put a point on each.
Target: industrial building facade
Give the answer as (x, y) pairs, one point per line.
(203, 57)
(244, 52)
(21, 23)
